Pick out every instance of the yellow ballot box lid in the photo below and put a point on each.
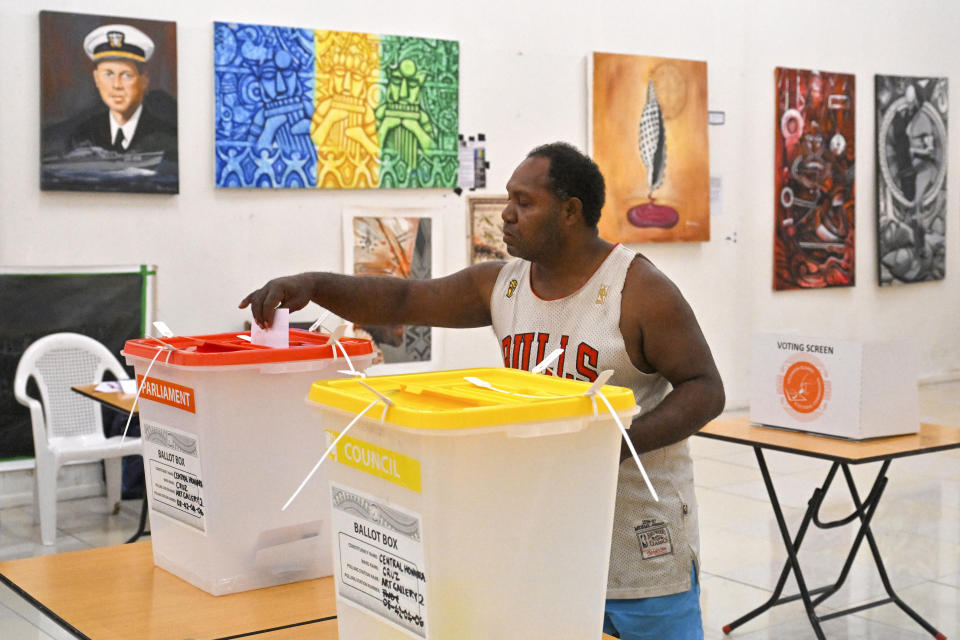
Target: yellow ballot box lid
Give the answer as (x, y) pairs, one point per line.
(469, 398)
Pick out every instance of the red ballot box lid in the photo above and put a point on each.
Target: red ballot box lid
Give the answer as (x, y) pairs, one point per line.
(230, 349)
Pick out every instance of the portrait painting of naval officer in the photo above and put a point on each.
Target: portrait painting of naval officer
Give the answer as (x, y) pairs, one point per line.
(108, 103)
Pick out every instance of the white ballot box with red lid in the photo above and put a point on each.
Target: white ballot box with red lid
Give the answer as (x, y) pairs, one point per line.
(226, 436)
(842, 388)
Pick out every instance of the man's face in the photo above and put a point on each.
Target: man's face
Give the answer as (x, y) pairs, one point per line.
(121, 85)
(531, 219)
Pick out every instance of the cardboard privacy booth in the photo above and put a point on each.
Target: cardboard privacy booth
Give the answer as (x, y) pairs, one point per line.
(841, 388)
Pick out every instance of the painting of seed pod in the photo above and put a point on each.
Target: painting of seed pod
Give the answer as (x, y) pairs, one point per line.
(648, 135)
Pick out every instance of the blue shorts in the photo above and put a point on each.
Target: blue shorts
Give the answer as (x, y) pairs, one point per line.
(676, 616)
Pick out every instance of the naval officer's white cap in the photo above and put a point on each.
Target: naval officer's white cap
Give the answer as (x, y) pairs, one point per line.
(120, 41)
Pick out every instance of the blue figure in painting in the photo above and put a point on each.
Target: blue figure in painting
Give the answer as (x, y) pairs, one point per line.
(264, 105)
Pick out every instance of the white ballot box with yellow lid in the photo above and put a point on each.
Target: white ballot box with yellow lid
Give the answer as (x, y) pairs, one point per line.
(224, 431)
(471, 504)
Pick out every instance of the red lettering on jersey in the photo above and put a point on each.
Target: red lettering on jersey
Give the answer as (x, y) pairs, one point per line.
(522, 343)
(506, 350)
(542, 339)
(563, 355)
(586, 356)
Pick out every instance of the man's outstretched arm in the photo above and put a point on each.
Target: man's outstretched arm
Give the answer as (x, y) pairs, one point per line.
(461, 299)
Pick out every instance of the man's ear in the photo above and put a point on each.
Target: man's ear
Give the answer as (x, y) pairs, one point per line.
(573, 210)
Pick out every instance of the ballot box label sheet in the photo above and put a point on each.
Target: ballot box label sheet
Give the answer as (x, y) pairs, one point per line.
(172, 459)
(381, 559)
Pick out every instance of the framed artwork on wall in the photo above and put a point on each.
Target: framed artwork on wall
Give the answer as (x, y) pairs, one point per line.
(911, 178)
(322, 109)
(108, 104)
(813, 243)
(380, 242)
(485, 229)
(648, 134)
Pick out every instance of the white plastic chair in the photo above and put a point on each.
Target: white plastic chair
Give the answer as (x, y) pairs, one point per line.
(68, 427)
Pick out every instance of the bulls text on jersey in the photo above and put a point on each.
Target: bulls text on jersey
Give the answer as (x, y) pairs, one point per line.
(518, 353)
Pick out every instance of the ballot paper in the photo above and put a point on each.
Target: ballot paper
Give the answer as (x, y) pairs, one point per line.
(277, 335)
(117, 386)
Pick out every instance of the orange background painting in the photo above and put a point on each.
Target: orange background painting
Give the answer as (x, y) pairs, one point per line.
(619, 95)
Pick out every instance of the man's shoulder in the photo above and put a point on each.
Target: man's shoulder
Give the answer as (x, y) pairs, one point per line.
(645, 281)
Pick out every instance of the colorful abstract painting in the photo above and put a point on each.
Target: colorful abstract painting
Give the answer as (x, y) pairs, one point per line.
(911, 178)
(813, 243)
(334, 110)
(486, 229)
(108, 104)
(649, 138)
(385, 244)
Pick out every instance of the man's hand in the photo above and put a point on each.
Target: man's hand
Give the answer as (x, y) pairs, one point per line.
(289, 292)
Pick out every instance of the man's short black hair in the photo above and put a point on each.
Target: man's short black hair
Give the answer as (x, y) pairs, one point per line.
(574, 175)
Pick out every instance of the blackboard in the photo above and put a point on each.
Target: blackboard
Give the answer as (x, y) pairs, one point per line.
(109, 304)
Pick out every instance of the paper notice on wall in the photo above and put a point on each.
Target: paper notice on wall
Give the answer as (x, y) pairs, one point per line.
(472, 155)
(467, 176)
(172, 460)
(381, 559)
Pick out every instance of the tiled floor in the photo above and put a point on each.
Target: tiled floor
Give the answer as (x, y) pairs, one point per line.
(917, 527)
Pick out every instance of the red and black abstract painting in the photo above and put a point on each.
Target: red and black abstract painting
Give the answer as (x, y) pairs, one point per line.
(813, 242)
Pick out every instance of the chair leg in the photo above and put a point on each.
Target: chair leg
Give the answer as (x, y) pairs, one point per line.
(113, 471)
(46, 475)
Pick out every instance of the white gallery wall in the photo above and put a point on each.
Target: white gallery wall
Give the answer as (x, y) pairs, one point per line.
(522, 83)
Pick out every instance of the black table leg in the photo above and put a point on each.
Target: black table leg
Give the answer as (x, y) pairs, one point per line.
(864, 511)
(792, 548)
(143, 521)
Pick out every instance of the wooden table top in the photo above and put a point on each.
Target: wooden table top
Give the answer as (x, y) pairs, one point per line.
(930, 437)
(114, 399)
(116, 593)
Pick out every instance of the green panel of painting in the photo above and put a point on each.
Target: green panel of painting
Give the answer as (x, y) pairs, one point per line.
(417, 120)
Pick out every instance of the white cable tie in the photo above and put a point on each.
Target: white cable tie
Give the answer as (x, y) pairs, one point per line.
(387, 401)
(326, 453)
(319, 321)
(633, 451)
(133, 407)
(546, 362)
(164, 330)
(599, 382)
(344, 352)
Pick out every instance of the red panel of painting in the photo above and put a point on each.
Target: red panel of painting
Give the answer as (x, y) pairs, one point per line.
(813, 242)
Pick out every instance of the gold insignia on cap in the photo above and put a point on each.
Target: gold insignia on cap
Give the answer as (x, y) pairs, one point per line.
(115, 38)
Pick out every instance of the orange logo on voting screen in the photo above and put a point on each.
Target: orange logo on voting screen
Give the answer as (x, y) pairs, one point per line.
(804, 388)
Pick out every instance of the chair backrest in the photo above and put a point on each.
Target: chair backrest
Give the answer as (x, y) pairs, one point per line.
(56, 362)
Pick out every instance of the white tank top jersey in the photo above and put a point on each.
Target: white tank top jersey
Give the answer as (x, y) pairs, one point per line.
(654, 543)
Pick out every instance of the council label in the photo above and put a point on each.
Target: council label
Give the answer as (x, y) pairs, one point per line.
(173, 462)
(381, 559)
